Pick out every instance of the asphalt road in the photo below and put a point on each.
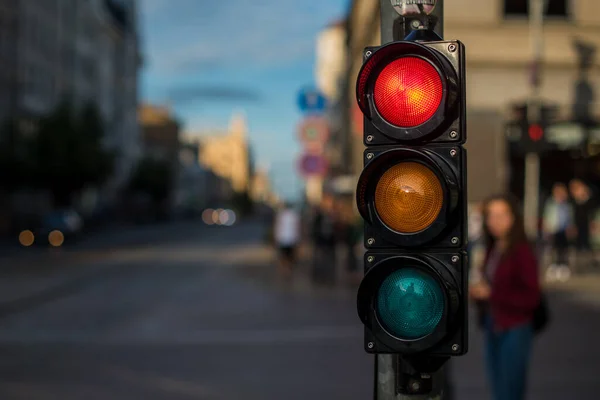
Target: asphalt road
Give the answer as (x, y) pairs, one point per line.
(193, 314)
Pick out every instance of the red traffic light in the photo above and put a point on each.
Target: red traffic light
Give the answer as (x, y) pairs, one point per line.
(408, 91)
(536, 133)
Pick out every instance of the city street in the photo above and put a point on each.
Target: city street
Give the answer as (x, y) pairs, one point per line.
(194, 312)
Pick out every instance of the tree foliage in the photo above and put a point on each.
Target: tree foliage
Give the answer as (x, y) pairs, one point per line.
(243, 203)
(153, 177)
(69, 153)
(16, 158)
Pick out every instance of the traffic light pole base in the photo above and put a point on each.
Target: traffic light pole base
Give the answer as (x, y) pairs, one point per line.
(405, 379)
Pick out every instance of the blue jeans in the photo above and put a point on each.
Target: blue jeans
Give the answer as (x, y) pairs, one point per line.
(507, 355)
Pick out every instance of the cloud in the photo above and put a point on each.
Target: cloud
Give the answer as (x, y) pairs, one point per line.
(188, 94)
(207, 55)
(186, 36)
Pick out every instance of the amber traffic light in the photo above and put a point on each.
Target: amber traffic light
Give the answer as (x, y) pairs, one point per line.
(408, 197)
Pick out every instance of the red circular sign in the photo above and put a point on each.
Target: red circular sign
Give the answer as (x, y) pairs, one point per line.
(313, 129)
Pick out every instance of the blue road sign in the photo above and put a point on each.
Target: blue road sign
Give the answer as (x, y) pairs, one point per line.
(312, 165)
(311, 100)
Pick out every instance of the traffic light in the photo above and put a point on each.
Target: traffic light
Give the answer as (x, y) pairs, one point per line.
(528, 136)
(412, 196)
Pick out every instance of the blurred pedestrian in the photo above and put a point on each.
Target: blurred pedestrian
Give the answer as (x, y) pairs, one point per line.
(558, 227)
(287, 237)
(507, 297)
(324, 236)
(583, 210)
(350, 226)
(474, 245)
(356, 250)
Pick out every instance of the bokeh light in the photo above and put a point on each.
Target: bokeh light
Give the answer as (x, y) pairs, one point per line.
(216, 216)
(231, 217)
(224, 218)
(26, 238)
(56, 238)
(207, 216)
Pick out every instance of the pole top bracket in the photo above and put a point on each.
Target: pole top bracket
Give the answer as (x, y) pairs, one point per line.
(414, 8)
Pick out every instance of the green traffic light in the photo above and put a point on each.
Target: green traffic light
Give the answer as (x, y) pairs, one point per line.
(410, 304)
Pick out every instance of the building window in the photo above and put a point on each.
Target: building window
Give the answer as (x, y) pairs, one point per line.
(520, 8)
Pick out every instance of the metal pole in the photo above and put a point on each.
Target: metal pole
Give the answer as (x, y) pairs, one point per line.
(392, 23)
(534, 112)
(387, 366)
(390, 19)
(438, 14)
(386, 375)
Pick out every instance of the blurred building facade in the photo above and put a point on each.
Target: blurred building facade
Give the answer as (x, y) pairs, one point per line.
(160, 133)
(197, 187)
(8, 56)
(260, 191)
(330, 58)
(160, 139)
(499, 53)
(329, 73)
(190, 184)
(228, 154)
(81, 51)
(120, 94)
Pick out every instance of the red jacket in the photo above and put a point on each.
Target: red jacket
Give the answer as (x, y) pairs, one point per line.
(515, 288)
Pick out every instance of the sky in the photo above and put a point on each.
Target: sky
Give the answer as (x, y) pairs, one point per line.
(211, 58)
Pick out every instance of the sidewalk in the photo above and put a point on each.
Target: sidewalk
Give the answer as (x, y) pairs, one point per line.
(581, 288)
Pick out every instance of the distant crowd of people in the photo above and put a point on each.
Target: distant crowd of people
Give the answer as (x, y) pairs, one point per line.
(567, 222)
(331, 229)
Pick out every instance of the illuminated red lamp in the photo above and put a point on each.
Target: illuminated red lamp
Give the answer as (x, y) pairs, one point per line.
(408, 92)
(536, 133)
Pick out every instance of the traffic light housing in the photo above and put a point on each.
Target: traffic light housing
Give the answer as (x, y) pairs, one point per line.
(412, 196)
(429, 111)
(399, 322)
(527, 136)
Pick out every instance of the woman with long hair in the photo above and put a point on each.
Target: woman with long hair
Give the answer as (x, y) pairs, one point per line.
(507, 296)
